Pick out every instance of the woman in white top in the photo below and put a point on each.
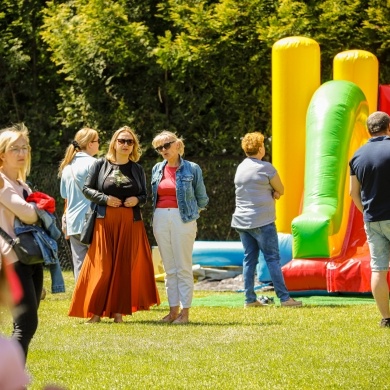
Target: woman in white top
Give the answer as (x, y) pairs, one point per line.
(73, 172)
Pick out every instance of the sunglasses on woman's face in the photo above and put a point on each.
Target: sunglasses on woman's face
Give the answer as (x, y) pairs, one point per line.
(166, 146)
(123, 141)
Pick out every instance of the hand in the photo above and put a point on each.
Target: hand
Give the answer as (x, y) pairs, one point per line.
(112, 201)
(276, 195)
(63, 226)
(131, 201)
(1, 182)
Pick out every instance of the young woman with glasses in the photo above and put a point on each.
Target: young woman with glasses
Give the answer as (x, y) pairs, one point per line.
(179, 194)
(73, 171)
(15, 162)
(117, 276)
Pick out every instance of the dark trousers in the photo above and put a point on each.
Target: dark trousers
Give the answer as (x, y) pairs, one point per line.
(25, 314)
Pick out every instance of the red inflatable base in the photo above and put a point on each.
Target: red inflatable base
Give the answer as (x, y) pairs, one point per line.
(352, 276)
(350, 272)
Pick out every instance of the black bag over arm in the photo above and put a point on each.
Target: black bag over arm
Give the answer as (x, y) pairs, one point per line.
(25, 246)
(89, 224)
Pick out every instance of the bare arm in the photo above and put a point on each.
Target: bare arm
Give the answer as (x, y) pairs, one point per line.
(277, 185)
(354, 191)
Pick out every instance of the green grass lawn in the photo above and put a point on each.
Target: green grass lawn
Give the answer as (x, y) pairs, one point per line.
(314, 347)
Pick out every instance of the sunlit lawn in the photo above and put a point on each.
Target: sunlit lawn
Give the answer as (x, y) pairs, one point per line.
(314, 347)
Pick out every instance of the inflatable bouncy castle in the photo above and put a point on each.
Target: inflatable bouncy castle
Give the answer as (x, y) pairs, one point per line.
(315, 131)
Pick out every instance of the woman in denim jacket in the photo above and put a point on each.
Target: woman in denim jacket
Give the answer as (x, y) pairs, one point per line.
(179, 194)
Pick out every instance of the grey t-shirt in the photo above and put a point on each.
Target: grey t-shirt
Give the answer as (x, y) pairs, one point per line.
(255, 205)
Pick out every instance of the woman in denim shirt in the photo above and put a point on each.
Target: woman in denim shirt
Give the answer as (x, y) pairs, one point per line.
(179, 194)
(73, 171)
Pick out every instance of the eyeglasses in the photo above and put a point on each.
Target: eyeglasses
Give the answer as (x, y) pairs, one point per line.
(166, 146)
(123, 141)
(17, 149)
(98, 140)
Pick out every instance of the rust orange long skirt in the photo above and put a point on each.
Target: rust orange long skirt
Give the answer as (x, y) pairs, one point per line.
(117, 274)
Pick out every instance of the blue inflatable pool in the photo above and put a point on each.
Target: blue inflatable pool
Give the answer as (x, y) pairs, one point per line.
(231, 254)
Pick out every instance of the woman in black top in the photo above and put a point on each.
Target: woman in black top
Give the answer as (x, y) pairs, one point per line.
(117, 276)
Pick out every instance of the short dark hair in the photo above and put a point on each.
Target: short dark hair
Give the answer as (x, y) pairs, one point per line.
(378, 122)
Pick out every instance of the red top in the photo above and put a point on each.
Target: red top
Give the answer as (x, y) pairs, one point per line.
(166, 191)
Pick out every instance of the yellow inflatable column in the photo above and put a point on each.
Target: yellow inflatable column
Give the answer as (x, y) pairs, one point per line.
(361, 67)
(295, 78)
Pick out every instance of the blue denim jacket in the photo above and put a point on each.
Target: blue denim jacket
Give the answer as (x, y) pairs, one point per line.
(190, 189)
(51, 253)
(49, 222)
(48, 245)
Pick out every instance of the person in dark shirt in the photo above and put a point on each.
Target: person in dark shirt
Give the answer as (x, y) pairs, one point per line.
(370, 191)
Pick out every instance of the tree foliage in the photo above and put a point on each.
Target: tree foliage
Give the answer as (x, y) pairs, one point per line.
(218, 81)
(103, 48)
(201, 68)
(28, 80)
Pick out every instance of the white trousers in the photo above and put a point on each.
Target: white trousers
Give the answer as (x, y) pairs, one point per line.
(175, 240)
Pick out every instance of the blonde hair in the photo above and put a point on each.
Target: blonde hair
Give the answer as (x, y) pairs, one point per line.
(252, 142)
(135, 153)
(81, 140)
(10, 135)
(167, 136)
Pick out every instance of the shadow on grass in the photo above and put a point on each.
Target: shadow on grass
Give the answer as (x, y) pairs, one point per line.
(206, 323)
(106, 321)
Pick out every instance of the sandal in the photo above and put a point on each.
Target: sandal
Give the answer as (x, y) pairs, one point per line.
(168, 319)
(180, 320)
